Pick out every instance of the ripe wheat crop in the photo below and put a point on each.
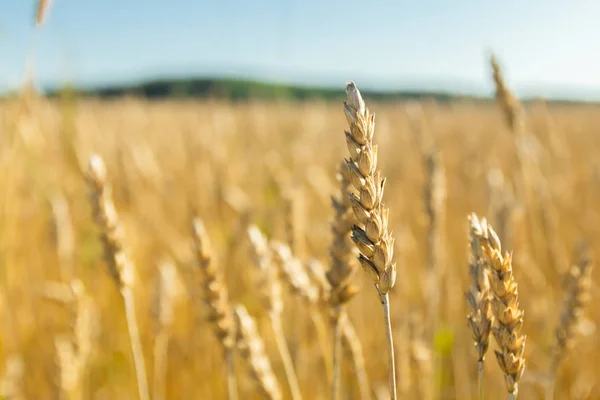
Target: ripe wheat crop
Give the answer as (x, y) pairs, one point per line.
(216, 250)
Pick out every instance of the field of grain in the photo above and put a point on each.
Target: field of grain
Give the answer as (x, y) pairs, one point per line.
(64, 330)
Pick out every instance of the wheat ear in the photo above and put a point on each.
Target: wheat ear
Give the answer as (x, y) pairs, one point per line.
(577, 295)
(270, 289)
(508, 317)
(75, 349)
(41, 11)
(252, 348)
(216, 298)
(342, 255)
(120, 266)
(478, 297)
(532, 182)
(375, 243)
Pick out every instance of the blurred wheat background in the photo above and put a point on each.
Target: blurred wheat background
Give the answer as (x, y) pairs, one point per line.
(209, 190)
(274, 165)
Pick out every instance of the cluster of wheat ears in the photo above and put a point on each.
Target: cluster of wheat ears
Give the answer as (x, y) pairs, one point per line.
(360, 235)
(276, 287)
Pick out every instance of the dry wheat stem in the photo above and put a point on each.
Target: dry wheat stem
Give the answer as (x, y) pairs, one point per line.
(216, 298)
(421, 355)
(577, 295)
(435, 198)
(161, 347)
(166, 293)
(508, 317)
(351, 343)
(533, 184)
(11, 382)
(337, 355)
(478, 297)
(136, 344)
(120, 267)
(295, 274)
(349, 337)
(270, 289)
(64, 235)
(514, 116)
(372, 238)
(251, 347)
(390, 344)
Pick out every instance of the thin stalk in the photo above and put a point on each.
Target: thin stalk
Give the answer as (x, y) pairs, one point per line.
(321, 330)
(480, 379)
(512, 396)
(286, 358)
(353, 343)
(337, 355)
(161, 348)
(231, 381)
(550, 389)
(551, 382)
(136, 345)
(385, 302)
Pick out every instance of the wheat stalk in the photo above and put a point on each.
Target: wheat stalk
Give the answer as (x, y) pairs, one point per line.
(216, 298)
(435, 199)
(64, 235)
(478, 297)
(292, 198)
(251, 348)
(301, 285)
(372, 238)
(270, 289)
(532, 182)
(11, 381)
(120, 266)
(508, 318)
(74, 352)
(348, 337)
(577, 295)
(166, 294)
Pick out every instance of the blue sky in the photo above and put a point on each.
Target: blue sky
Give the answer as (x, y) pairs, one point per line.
(547, 47)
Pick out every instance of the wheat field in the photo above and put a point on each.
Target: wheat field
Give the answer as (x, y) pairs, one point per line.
(66, 332)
